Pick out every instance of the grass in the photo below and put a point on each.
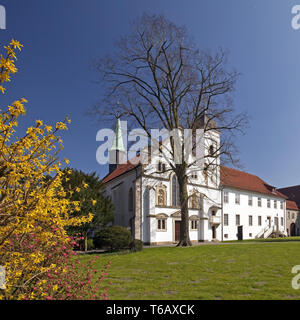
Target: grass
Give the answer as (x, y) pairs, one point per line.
(227, 271)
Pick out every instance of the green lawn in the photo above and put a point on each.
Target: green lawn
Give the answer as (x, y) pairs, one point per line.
(284, 239)
(226, 271)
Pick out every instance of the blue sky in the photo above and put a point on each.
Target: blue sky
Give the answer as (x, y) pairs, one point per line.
(62, 37)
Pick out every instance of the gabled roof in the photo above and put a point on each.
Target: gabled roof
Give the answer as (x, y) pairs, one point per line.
(291, 205)
(229, 178)
(293, 193)
(245, 181)
(120, 170)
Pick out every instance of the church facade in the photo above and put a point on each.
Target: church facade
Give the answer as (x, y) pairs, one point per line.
(228, 205)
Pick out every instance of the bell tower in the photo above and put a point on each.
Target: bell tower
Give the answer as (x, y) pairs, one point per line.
(117, 153)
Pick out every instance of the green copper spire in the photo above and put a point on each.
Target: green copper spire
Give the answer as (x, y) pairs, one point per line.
(118, 143)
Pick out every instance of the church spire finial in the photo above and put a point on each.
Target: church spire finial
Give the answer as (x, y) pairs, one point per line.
(117, 153)
(118, 143)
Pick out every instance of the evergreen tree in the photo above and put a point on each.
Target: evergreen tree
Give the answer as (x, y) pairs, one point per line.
(90, 194)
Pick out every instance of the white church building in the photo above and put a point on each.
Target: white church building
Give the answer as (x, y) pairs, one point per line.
(230, 205)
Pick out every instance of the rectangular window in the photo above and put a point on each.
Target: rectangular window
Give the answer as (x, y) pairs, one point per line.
(159, 166)
(259, 202)
(249, 200)
(281, 205)
(237, 198)
(269, 203)
(281, 221)
(275, 204)
(250, 235)
(259, 220)
(194, 225)
(226, 219)
(250, 220)
(226, 236)
(289, 216)
(161, 224)
(237, 219)
(226, 197)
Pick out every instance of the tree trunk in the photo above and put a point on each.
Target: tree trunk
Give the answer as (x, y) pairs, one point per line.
(184, 226)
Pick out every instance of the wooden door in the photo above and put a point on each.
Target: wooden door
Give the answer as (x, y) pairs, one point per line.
(292, 230)
(177, 230)
(240, 233)
(213, 228)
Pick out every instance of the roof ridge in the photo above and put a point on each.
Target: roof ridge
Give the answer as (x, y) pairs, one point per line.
(250, 174)
(297, 185)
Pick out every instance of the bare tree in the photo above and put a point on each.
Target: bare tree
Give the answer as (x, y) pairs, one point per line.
(159, 79)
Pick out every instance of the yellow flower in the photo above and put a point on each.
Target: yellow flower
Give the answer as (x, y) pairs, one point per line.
(39, 123)
(61, 126)
(32, 203)
(77, 189)
(48, 128)
(16, 44)
(94, 202)
(85, 185)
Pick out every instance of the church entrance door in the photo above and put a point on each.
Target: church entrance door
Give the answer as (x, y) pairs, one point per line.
(177, 230)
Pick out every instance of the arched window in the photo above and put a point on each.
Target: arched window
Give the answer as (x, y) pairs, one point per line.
(130, 200)
(175, 191)
(161, 196)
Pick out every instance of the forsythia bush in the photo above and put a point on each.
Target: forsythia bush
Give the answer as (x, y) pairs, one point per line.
(34, 211)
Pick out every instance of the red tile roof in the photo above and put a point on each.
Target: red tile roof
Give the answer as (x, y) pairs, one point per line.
(241, 180)
(121, 169)
(291, 205)
(229, 178)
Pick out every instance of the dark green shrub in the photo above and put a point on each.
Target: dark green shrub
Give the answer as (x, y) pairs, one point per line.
(136, 245)
(115, 238)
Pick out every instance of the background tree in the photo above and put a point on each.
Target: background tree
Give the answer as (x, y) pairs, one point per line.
(90, 195)
(158, 78)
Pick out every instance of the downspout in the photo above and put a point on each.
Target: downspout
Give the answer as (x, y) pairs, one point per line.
(141, 202)
(141, 216)
(222, 213)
